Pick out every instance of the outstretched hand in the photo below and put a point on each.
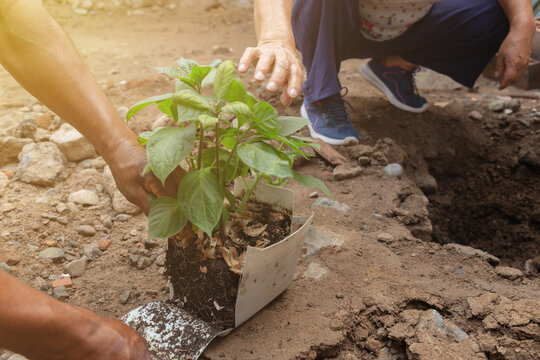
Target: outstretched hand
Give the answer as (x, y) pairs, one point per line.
(281, 61)
(127, 162)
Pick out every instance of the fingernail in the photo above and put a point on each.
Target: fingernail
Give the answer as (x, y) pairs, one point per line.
(242, 67)
(272, 86)
(259, 75)
(293, 93)
(496, 74)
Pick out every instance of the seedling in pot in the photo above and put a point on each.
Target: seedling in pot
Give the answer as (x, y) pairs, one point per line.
(222, 133)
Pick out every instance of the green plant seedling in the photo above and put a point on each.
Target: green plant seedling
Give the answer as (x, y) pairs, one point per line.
(221, 133)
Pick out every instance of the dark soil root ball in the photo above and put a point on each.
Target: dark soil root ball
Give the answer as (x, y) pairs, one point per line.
(202, 294)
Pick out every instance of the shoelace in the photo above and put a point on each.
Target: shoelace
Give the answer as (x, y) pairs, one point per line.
(409, 74)
(336, 107)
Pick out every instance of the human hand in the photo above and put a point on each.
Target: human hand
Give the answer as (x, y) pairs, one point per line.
(513, 56)
(127, 162)
(287, 69)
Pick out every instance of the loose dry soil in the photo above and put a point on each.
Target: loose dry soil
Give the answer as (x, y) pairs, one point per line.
(392, 289)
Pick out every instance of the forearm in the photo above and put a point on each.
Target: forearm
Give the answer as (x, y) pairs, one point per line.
(519, 13)
(273, 21)
(34, 324)
(35, 50)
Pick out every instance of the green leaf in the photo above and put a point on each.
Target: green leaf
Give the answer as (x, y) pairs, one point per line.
(173, 71)
(290, 124)
(165, 106)
(224, 78)
(240, 110)
(229, 142)
(237, 91)
(201, 197)
(251, 101)
(266, 119)
(165, 218)
(265, 159)
(186, 65)
(310, 181)
(209, 79)
(230, 196)
(144, 103)
(207, 120)
(180, 85)
(198, 73)
(167, 147)
(189, 82)
(144, 137)
(191, 99)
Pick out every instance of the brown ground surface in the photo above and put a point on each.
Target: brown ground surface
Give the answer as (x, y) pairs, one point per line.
(378, 291)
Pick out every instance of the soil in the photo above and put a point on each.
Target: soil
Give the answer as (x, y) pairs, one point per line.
(382, 286)
(207, 287)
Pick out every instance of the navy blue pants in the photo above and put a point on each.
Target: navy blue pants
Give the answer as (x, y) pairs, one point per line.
(457, 38)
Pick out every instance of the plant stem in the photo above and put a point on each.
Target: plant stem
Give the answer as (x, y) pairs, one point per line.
(248, 193)
(221, 234)
(201, 141)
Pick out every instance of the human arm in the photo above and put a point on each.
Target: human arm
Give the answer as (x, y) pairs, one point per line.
(275, 50)
(35, 50)
(515, 51)
(37, 326)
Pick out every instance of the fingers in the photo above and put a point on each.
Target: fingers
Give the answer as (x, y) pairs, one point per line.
(250, 57)
(265, 63)
(295, 80)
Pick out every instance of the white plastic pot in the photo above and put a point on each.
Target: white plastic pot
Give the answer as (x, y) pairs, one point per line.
(266, 274)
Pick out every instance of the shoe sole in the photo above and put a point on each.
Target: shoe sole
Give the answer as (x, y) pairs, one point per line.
(370, 76)
(315, 135)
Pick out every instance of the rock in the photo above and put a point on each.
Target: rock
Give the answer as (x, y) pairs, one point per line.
(60, 293)
(496, 106)
(123, 217)
(394, 170)
(72, 143)
(10, 174)
(317, 240)
(508, 272)
(16, 357)
(133, 259)
(53, 253)
(162, 121)
(121, 205)
(377, 216)
(76, 268)
(124, 297)
(41, 135)
(426, 182)
(108, 181)
(329, 203)
(61, 207)
(532, 266)
(149, 243)
(43, 121)
(5, 267)
(41, 164)
(104, 244)
(98, 163)
(315, 271)
(346, 171)
(10, 120)
(512, 104)
(475, 115)
(385, 238)
(92, 251)
(143, 262)
(11, 147)
(221, 50)
(160, 260)
(364, 161)
(472, 252)
(483, 305)
(84, 197)
(357, 151)
(13, 259)
(86, 230)
(7, 207)
(313, 195)
(108, 222)
(25, 129)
